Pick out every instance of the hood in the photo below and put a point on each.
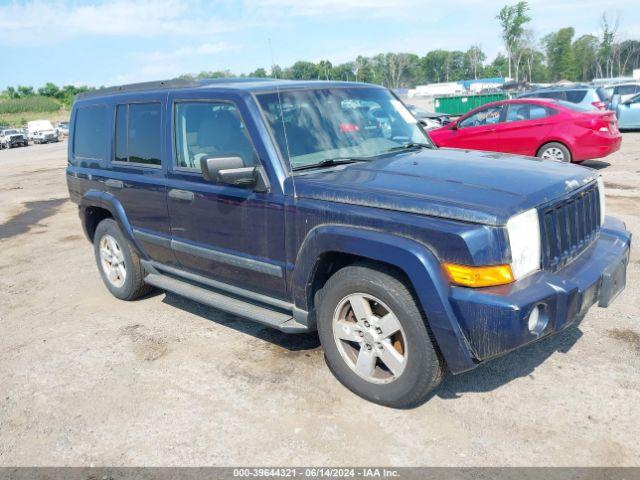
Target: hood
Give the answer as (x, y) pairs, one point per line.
(471, 186)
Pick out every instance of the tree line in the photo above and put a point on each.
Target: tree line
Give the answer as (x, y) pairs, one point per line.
(556, 56)
(64, 94)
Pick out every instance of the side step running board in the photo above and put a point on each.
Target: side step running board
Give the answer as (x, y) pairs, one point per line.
(267, 316)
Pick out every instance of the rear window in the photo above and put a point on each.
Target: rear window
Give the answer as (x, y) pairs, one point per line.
(90, 134)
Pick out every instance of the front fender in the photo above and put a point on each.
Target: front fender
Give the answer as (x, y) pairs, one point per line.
(101, 199)
(416, 260)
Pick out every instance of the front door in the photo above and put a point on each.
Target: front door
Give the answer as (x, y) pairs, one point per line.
(477, 131)
(227, 233)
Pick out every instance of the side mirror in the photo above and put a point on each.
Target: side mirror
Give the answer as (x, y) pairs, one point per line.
(231, 171)
(454, 125)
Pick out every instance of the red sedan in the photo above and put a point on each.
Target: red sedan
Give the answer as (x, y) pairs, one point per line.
(544, 128)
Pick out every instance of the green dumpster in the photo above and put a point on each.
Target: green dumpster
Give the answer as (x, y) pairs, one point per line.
(461, 104)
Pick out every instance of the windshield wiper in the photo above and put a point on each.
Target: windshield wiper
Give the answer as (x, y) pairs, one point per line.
(407, 146)
(330, 162)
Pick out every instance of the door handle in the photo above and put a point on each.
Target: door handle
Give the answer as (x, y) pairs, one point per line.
(181, 195)
(111, 183)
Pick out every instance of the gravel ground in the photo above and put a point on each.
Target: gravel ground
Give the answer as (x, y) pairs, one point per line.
(86, 379)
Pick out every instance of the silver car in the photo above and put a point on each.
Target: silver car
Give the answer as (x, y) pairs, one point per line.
(594, 98)
(624, 90)
(627, 111)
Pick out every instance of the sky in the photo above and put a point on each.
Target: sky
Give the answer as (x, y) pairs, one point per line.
(111, 42)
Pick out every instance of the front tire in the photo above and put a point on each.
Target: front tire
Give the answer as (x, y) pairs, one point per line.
(118, 263)
(554, 151)
(375, 338)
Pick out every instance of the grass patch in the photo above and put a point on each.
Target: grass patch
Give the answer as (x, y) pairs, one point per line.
(32, 103)
(20, 119)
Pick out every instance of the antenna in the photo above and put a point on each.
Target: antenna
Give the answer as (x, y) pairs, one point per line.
(284, 126)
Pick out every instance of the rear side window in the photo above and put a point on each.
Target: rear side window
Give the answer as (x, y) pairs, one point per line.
(526, 111)
(90, 133)
(138, 133)
(575, 96)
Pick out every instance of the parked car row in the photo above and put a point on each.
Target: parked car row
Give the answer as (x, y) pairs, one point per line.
(37, 131)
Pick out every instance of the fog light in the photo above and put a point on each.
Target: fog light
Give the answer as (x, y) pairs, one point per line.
(538, 320)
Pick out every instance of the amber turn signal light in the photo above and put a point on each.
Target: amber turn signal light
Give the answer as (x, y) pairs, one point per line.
(486, 276)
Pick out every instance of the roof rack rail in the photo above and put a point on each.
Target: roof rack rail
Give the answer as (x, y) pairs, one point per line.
(135, 87)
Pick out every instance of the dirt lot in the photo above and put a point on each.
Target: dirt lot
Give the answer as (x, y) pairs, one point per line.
(86, 379)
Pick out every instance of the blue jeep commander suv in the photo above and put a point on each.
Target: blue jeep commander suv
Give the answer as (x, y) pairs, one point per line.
(324, 206)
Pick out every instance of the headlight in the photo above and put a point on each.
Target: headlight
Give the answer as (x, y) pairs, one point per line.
(524, 240)
(601, 195)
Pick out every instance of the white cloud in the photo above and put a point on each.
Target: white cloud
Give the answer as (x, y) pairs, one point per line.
(203, 50)
(38, 22)
(329, 8)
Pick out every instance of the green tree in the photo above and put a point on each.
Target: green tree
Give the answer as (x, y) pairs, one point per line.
(497, 68)
(560, 55)
(25, 91)
(259, 73)
(512, 20)
(585, 52)
(11, 92)
(302, 70)
(434, 66)
(474, 59)
(49, 90)
(344, 71)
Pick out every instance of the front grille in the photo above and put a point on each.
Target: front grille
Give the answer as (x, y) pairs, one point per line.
(569, 226)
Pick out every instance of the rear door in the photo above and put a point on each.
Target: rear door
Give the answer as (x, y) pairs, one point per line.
(525, 127)
(137, 177)
(478, 130)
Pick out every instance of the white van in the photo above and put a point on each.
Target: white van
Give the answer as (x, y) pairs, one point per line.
(41, 131)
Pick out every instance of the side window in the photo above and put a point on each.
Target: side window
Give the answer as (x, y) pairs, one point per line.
(210, 129)
(487, 116)
(627, 89)
(138, 133)
(90, 133)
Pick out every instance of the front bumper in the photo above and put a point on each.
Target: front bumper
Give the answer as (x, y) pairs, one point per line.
(495, 320)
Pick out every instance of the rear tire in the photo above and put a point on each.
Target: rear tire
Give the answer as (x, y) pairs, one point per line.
(554, 151)
(406, 366)
(118, 263)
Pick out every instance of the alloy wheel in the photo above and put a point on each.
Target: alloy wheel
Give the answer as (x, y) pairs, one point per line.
(370, 338)
(553, 153)
(112, 261)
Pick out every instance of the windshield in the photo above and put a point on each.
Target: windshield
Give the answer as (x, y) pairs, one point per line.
(314, 126)
(10, 132)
